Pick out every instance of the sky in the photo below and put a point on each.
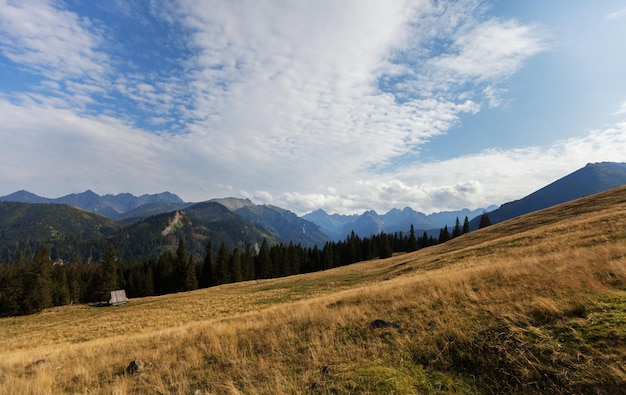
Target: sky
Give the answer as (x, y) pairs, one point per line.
(341, 105)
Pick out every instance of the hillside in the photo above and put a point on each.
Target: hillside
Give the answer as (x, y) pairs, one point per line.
(531, 305)
(591, 179)
(283, 225)
(30, 226)
(75, 235)
(196, 224)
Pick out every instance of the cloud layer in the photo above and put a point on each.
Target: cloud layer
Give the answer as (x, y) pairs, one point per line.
(305, 105)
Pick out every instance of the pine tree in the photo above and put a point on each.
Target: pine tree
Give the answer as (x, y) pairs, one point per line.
(235, 266)
(328, 255)
(222, 269)
(74, 281)
(38, 287)
(444, 234)
(60, 288)
(164, 273)
(457, 231)
(12, 282)
(149, 278)
(424, 240)
(191, 281)
(385, 250)
(262, 262)
(412, 241)
(247, 264)
(180, 266)
(294, 258)
(107, 274)
(208, 268)
(484, 221)
(466, 225)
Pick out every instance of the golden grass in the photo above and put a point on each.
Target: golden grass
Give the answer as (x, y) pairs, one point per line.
(535, 304)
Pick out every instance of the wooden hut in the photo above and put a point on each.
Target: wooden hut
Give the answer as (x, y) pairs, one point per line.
(118, 297)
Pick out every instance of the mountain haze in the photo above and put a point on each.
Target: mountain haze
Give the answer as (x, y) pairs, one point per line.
(338, 226)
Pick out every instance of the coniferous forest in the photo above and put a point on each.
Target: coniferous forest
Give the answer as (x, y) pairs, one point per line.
(30, 285)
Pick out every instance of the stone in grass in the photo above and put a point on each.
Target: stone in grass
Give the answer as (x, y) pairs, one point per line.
(37, 363)
(135, 367)
(378, 323)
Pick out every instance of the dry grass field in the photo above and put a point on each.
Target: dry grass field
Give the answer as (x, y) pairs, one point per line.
(536, 304)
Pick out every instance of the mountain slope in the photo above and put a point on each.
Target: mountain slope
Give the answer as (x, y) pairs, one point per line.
(29, 226)
(196, 225)
(283, 225)
(591, 179)
(24, 197)
(149, 210)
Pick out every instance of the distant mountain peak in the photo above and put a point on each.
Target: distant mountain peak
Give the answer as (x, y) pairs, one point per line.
(233, 203)
(110, 206)
(24, 196)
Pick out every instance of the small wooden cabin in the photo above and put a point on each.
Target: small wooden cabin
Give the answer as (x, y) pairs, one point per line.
(118, 297)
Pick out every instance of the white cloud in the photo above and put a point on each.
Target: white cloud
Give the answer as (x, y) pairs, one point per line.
(304, 105)
(621, 110)
(50, 41)
(293, 88)
(59, 150)
(616, 14)
(492, 177)
(493, 49)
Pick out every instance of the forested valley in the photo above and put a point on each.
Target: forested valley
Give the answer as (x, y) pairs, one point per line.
(30, 285)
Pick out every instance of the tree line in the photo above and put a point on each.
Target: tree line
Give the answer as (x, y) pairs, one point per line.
(28, 287)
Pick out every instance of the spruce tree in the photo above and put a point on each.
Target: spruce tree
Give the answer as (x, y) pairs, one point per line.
(294, 258)
(60, 288)
(191, 281)
(412, 241)
(107, 274)
(149, 284)
(384, 250)
(38, 287)
(457, 231)
(466, 225)
(180, 267)
(247, 264)
(444, 234)
(222, 266)
(235, 266)
(484, 221)
(208, 268)
(12, 282)
(262, 262)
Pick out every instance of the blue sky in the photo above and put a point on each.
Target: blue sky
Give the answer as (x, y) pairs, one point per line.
(341, 105)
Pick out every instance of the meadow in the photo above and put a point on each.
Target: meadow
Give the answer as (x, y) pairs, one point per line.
(536, 304)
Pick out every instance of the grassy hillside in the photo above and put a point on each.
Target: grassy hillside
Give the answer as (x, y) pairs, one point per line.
(532, 305)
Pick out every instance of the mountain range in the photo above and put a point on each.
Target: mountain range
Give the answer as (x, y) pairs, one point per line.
(338, 226)
(111, 206)
(78, 225)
